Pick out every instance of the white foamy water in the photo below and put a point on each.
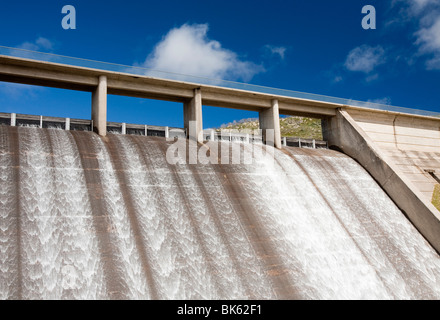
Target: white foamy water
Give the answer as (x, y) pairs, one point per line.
(59, 255)
(177, 259)
(310, 225)
(9, 232)
(248, 274)
(405, 263)
(118, 226)
(82, 276)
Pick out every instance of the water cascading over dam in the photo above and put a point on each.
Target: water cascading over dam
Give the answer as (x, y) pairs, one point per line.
(84, 217)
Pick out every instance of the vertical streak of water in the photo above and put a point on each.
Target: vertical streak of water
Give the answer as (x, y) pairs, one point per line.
(298, 222)
(176, 254)
(411, 266)
(121, 234)
(9, 225)
(40, 253)
(118, 163)
(248, 269)
(81, 268)
(59, 254)
(341, 199)
(214, 243)
(349, 272)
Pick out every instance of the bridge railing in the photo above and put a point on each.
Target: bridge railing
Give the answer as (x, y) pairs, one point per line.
(140, 70)
(13, 119)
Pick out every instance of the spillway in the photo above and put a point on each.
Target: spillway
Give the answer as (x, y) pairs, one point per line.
(84, 217)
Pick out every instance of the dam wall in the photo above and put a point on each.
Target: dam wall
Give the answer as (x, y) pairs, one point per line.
(90, 217)
(107, 216)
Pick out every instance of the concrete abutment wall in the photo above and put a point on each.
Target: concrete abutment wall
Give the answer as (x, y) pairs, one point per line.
(344, 133)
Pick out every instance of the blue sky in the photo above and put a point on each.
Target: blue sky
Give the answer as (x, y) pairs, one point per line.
(315, 46)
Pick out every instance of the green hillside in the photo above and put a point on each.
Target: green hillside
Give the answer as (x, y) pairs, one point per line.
(299, 127)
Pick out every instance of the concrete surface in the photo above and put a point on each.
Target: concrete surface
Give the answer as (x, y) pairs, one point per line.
(270, 120)
(413, 144)
(99, 107)
(344, 133)
(192, 115)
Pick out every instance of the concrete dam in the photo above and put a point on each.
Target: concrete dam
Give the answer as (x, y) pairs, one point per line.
(85, 217)
(106, 215)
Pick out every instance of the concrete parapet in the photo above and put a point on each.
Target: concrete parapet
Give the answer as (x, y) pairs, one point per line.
(342, 132)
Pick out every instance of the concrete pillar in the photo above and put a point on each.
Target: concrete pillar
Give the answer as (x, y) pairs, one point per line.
(270, 120)
(99, 107)
(212, 135)
(284, 141)
(41, 122)
(13, 119)
(192, 116)
(167, 132)
(146, 130)
(124, 128)
(67, 126)
(247, 138)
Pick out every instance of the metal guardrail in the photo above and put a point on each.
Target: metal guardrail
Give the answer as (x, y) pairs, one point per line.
(138, 70)
(213, 135)
(13, 119)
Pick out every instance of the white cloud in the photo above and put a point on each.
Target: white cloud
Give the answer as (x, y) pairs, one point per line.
(337, 79)
(44, 43)
(39, 44)
(434, 63)
(281, 51)
(372, 77)
(411, 8)
(419, 5)
(18, 91)
(426, 15)
(372, 103)
(187, 50)
(365, 58)
(386, 101)
(428, 39)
